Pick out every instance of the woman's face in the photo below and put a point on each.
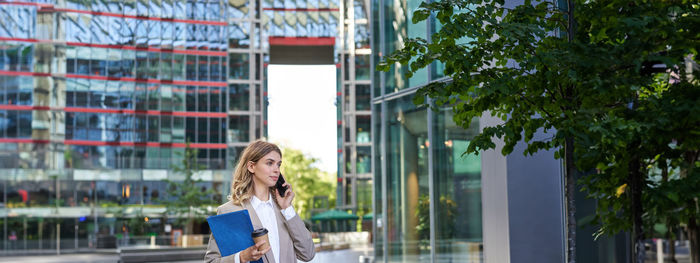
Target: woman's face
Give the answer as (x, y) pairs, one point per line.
(267, 169)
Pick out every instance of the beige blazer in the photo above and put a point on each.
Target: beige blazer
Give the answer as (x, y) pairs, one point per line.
(295, 239)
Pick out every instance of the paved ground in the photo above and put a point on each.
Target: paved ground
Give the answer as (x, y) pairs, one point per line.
(340, 256)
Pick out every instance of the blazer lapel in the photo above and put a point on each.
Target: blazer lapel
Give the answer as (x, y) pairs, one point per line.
(283, 233)
(253, 215)
(269, 257)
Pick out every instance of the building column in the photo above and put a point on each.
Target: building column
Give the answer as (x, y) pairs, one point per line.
(522, 197)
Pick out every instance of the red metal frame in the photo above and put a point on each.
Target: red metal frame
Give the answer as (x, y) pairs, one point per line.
(51, 8)
(151, 81)
(115, 111)
(300, 9)
(104, 143)
(302, 41)
(149, 49)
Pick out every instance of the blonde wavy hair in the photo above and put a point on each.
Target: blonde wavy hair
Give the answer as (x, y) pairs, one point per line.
(242, 186)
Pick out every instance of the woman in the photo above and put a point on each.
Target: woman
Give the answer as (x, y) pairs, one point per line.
(253, 189)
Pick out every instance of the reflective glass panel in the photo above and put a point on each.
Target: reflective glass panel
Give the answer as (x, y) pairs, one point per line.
(238, 65)
(238, 97)
(457, 182)
(407, 177)
(363, 125)
(362, 97)
(363, 162)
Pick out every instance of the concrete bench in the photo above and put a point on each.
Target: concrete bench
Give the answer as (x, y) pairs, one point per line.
(161, 254)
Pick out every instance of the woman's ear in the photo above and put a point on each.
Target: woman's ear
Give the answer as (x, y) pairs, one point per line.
(250, 165)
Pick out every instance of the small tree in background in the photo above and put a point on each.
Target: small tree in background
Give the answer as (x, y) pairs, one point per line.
(308, 181)
(186, 199)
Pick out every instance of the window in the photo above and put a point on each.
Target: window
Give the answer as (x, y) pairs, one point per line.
(238, 65)
(141, 64)
(178, 67)
(98, 64)
(140, 128)
(70, 60)
(153, 97)
(191, 98)
(239, 127)
(94, 127)
(97, 90)
(81, 126)
(362, 97)
(167, 27)
(165, 129)
(363, 125)
(153, 122)
(114, 62)
(348, 160)
(166, 96)
(215, 69)
(111, 98)
(362, 69)
(407, 180)
(238, 35)
(191, 67)
(126, 90)
(166, 66)
(202, 99)
(126, 128)
(154, 29)
(190, 129)
(178, 129)
(215, 97)
(12, 120)
(202, 130)
(83, 55)
(215, 130)
(203, 74)
(180, 35)
(238, 97)
(128, 62)
(179, 98)
(457, 183)
(26, 58)
(113, 123)
(153, 64)
(237, 9)
(141, 96)
(363, 163)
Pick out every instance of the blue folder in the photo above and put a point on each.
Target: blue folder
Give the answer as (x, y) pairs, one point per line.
(232, 232)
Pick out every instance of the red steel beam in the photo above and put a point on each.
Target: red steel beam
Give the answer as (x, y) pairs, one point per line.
(302, 41)
(50, 7)
(300, 9)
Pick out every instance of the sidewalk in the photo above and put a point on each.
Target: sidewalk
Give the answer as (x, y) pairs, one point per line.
(338, 256)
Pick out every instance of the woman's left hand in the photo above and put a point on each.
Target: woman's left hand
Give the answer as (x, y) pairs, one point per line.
(286, 201)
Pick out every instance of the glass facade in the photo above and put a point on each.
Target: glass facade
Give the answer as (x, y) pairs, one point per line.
(427, 194)
(354, 110)
(98, 100)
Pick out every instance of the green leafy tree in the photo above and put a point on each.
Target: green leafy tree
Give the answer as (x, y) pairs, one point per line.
(307, 179)
(186, 199)
(582, 71)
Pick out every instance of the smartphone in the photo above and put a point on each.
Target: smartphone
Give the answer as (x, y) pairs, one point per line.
(278, 185)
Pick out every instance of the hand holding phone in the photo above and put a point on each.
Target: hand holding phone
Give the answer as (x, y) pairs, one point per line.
(280, 185)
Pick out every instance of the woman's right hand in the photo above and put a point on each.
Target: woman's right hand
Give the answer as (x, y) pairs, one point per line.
(252, 253)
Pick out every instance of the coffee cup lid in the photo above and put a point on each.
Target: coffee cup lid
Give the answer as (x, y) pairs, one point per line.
(259, 232)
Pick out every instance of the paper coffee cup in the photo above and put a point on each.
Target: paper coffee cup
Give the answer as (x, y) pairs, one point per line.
(261, 234)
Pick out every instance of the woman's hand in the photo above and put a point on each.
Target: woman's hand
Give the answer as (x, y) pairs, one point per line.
(252, 254)
(286, 201)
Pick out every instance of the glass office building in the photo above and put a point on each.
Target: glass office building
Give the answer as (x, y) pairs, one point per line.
(427, 194)
(98, 100)
(354, 190)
